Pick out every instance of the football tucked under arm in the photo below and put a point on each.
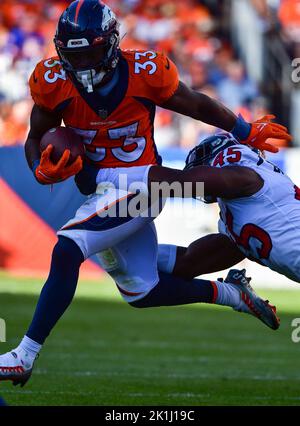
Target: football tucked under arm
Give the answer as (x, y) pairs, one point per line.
(40, 122)
(44, 169)
(48, 173)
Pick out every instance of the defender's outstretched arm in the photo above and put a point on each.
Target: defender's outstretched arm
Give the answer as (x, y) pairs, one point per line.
(227, 182)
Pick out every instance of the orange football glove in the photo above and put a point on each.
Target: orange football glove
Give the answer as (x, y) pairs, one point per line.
(48, 173)
(263, 129)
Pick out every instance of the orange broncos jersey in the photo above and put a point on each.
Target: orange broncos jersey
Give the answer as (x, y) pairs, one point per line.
(117, 128)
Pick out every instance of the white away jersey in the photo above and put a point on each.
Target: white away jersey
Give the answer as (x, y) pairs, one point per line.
(265, 226)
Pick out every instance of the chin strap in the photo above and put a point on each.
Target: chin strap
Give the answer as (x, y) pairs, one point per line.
(88, 85)
(89, 79)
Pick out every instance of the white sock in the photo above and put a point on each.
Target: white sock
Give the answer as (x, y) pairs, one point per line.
(29, 346)
(228, 295)
(166, 258)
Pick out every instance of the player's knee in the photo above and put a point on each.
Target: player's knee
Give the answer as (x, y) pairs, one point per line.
(67, 251)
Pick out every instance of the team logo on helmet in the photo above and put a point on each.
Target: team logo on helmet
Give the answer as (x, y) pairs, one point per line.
(87, 42)
(109, 18)
(207, 150)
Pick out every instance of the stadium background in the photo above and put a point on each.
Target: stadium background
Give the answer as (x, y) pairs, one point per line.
(238, 51)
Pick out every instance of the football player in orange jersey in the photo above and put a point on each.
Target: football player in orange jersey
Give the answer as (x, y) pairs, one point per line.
(109, 97)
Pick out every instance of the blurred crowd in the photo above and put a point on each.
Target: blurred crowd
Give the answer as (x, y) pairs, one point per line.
(186, 30)
(282, 16)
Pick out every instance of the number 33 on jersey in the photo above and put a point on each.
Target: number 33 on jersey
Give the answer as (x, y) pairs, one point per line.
(117, 127)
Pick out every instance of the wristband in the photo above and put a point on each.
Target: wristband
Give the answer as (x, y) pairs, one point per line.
(242, 129)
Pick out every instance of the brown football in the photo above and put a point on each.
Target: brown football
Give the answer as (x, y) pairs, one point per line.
(63, 138)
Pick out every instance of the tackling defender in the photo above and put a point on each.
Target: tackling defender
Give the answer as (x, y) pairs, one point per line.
(109, 96)
(259, 217)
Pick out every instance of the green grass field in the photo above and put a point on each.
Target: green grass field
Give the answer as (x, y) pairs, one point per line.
(104, 352)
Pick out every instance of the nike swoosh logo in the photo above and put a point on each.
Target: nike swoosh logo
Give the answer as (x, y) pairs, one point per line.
(168, 66)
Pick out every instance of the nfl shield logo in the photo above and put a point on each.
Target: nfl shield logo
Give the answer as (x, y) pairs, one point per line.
(103, 113)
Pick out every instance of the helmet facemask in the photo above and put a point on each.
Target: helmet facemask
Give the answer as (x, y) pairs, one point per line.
(89, 60)
(206, 152)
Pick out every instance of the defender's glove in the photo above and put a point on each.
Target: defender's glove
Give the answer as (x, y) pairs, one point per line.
(256, 134)
(48, 173)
